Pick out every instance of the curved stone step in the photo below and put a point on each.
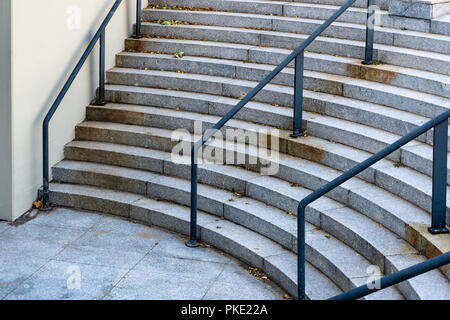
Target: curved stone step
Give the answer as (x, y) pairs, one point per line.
(325, 252)
(423, 60)
(250, 247)
(377, 116)
(395, 76)
(268, 221)
(369, 114)
(313, 10)
(273, 8)
(415, 155)
(402, 99)
(370, 140)
(441, 25)
(383, 4)
(395, 214)
(402, 181)
(345, 30)
(321, 62)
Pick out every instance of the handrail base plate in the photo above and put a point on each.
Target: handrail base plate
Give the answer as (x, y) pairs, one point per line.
(438, 230)
(192, 244)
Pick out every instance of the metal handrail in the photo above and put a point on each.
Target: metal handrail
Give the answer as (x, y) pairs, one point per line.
(298, 55)
(99, 35)
(438, 225)
(396, 277)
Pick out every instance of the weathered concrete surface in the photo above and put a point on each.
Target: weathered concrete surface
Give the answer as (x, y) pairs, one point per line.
(115, 259)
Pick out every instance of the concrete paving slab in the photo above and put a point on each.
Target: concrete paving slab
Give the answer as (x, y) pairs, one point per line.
(66, 218)
(79, 255)
(68, 281)
(249, 288)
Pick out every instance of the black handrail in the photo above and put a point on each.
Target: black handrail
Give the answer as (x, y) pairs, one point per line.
(438, 225)
(396, 277)
(298, 55)
(99, 35)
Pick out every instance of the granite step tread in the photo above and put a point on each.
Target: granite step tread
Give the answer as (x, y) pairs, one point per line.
(395, 214)
(316, 10)
(427, 82)
(416, 155)
(347, 30)
(244, 244)
(437, 62)
(374, 115)
(354, 89)
(274, 93)
(325, 252)
(268, 221)
(347, 66)
(403, 181)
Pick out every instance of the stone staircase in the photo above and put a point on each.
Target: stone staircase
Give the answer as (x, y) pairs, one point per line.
(121, 162)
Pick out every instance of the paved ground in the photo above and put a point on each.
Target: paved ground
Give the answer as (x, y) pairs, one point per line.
(68, 254)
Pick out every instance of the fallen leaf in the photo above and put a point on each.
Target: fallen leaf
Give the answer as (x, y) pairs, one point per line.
(179, 54)
(38, 204)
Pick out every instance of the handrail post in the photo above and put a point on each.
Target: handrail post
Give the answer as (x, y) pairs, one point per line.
(101, 89)
(192, 242)
(301, 238)
(100, 34)
(138, 34)
(45, 163)
(439, 195)
(298, 95)
(370, 30)
(396, 277)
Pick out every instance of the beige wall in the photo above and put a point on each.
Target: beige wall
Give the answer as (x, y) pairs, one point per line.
(5, 109)
(45, 48)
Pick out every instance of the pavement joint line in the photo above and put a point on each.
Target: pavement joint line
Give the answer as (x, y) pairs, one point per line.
(214, 281)
(129, 270)
(42, 266)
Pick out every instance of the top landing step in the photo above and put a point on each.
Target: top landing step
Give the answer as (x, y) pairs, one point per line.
(322, 9)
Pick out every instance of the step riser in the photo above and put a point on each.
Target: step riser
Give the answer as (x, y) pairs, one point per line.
(378, 176)
(442, 27)
(266, 5)
(267, 96)
(267, 8)
(313, 11)
(229, 212)
(295, 148)
(150, 214)
(234, 214)
(263, 22)
(286, 145)
(260, 190)
(187, 104)
(351, 32)
(255, 38)
(280, 117)
(280, 95)
(286, 77)
(406, 155)
(345, 48)
(237, 70)
(270, 94)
